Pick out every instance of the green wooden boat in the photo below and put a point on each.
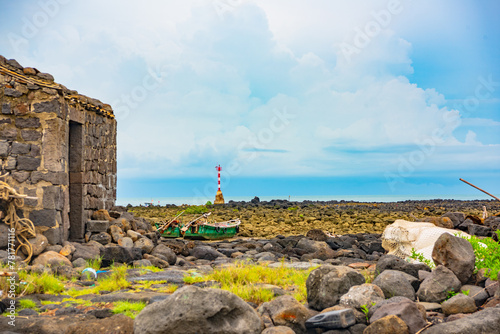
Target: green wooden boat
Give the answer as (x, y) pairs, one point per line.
(199, 229)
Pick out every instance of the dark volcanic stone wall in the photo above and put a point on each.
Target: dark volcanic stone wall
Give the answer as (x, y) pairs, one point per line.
(58, 146)
(99, 160)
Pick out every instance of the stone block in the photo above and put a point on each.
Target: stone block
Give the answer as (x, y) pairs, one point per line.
(53, 198)
(54, 235)
(54, 145)
(28, 163)
(45, 217)
(34, 150)
(31, 135)
(6, 110)
(12, 92)
(4, 148)
(5, 120)
(45, 76)
(97, 225)
(21, 109)
(11, 163)
(8, 133)
(56, 178)
(29, 71)
(30, 122)
(20, 148)
(20, 176)
(14, 63)
(49, 107)
(31, 193)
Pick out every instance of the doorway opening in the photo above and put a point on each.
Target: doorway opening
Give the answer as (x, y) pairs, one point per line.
(75, 164)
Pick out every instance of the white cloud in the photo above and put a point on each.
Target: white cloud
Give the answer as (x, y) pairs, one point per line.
(227, 80)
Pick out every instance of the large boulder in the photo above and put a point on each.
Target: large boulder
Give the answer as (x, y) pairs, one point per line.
(392, 262)
(145, 244)
(120, 254)
(445, 222)
(116, 232)
(436, 287)
(101, 215)
(326, 284)
(482, 322)
(455, 254)
(156, 261)
(85, 251)
(312, 246)
(178, 246)
(52, 259)
(165, 253)
(395, 283)
(278, 330)
(457, 218)
(323, 254)
(103, 238)
(359, 295)
(125, 242)
(39, 243)
(459, 303)
(316, 235)
(285, 311)
(122, 223)
(192, 310)
(72, 324)
(206, 253)
(389, 324)
(334, 319)
(406, 310)
(492, 222)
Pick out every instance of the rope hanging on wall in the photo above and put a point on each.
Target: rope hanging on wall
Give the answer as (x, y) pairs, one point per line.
(23, 227)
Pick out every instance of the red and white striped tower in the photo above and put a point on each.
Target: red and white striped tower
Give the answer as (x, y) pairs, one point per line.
(218, 177)
(219, 198)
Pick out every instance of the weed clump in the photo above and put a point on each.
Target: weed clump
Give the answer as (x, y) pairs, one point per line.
(251, 281)
(130, 309)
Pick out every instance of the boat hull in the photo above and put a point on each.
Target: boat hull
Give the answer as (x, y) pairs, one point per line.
(202, 232)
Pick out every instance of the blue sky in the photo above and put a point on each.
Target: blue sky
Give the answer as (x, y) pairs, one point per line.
(324, 97)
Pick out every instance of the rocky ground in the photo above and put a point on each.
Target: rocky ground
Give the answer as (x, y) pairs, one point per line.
(354, 286)
(268, 219)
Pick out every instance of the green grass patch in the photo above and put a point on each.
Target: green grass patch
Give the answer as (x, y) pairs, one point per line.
(147, 284)
(78, 301)
(195, 209)
(487, 252)
(48, 302)
(116, 281)
(94, 263)
(130, 309)
(420, 258)
(240, 279)
(27, 303)
(80, 292)
(39, 283)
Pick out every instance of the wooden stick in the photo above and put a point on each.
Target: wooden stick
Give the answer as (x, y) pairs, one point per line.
(487, 193)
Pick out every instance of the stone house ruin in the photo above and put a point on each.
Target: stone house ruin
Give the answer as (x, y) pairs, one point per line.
(58, 146)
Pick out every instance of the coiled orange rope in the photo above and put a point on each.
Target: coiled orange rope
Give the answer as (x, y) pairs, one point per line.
(23, 227)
